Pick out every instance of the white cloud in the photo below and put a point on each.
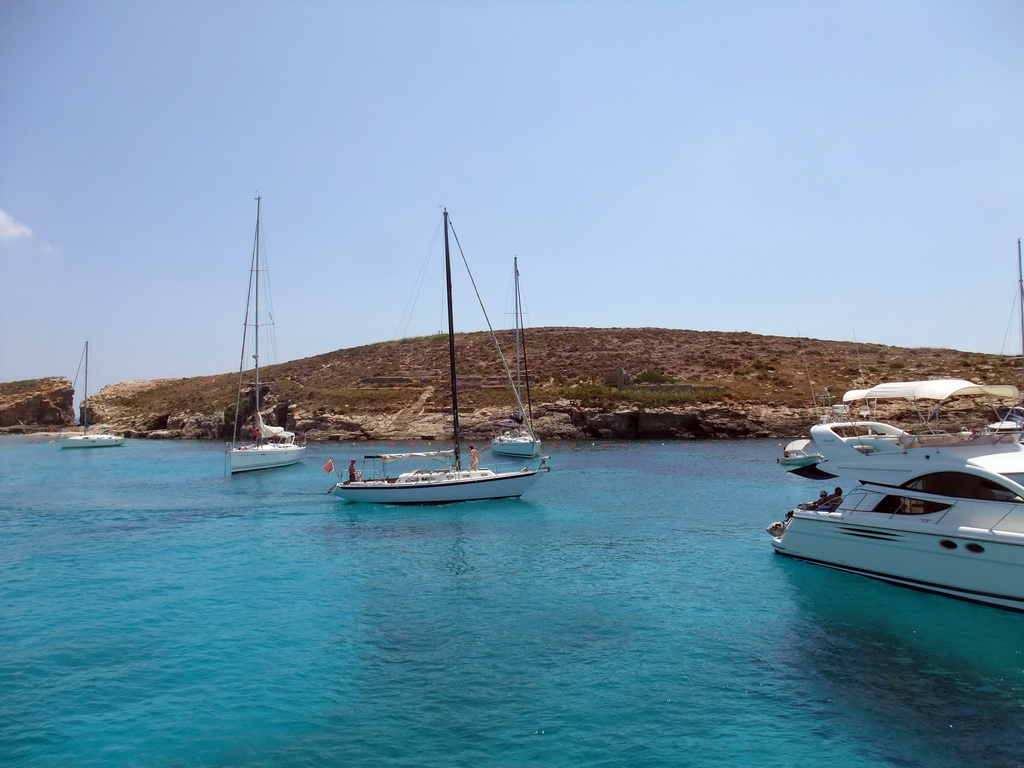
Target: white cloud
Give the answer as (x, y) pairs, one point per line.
(11, 229)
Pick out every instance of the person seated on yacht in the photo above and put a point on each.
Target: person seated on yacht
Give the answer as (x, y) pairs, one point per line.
(830, 502)
(814, 504)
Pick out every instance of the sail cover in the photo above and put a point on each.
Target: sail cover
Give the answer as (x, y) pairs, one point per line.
(267, 431)
(932, 390)
(397, 456)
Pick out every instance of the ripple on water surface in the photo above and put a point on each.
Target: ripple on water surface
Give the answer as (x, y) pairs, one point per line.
(628, 611)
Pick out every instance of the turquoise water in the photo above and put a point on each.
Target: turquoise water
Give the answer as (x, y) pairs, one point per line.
(628, 612)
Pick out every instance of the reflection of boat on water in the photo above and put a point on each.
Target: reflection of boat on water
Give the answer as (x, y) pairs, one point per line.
(444, 485)
(918, 654)
(929, 509)
(518, 437)
(89, 439)
(269, 446)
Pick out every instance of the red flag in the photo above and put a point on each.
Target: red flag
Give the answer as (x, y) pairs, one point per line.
(329, 466)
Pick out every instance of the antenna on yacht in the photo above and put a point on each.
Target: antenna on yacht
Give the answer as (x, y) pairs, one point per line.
(810, 382)
(856, 346)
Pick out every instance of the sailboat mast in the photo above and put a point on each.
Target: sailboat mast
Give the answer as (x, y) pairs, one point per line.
(256, 314)
(85, 400)
(451, 345)
(519, 326)
(527, 412)
(253, 275)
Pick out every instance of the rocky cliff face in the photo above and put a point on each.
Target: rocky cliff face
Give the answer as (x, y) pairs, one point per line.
(50, 403)
(561, 420)
(37, 402)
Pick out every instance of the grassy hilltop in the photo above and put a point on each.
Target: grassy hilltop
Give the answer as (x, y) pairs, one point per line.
(573, 363)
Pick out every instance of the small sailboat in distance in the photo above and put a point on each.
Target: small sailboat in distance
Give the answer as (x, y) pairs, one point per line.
(518, 437)
(268, 446)
(89, 439)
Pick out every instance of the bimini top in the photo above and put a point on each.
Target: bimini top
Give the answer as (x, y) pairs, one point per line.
(939, 389)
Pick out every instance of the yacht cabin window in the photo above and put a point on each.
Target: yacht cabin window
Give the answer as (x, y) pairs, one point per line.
(903, 505)
(963, 486)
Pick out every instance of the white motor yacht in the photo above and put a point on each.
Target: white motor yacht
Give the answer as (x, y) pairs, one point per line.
(928, 509)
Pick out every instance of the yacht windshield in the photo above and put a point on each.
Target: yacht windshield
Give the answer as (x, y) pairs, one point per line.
(1017, 477)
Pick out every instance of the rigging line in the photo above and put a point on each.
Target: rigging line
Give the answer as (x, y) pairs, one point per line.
(510, 299)
(508, 373)
(1020, 280)
(807, 369)
(406, 317)
(860, 365)
(81, 360)
(1010, 321)
(526, 373)
(267, 298)
(245, 324)
(521, 330)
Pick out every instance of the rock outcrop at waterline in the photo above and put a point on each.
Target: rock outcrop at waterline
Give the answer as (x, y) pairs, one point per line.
(559, 420)
(36, 402)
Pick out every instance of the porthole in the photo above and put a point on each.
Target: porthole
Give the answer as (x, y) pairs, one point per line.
(947, 544)
(975, 548)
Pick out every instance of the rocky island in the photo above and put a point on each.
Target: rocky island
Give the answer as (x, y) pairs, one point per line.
(585, 383)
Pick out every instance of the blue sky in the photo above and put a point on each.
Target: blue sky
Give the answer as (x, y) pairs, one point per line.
(839, 170)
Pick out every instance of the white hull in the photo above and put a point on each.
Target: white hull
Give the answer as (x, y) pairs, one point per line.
(440, 487)
(972, 550)
(888, 460)
(795, 460)
(524, 447)
(91, 441)
(264, 457)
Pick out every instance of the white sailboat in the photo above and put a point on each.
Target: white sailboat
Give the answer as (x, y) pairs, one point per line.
(518, 437)
(269, 446)
(444, 485)
(89, 439)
